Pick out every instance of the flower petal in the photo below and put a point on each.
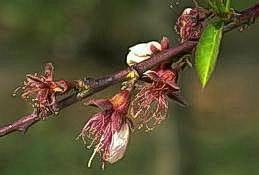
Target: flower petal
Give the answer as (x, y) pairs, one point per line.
(142, 51)
(173, 85)
(164, 43)
(103, 104)
(49, 71)
(118, 144)
(153, 76)
(180, 100)
(42, 96)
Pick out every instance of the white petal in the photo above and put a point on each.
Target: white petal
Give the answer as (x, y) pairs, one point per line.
(119, 144)
(154, 43)
(141, 52)
(133, 59)
(187, 11)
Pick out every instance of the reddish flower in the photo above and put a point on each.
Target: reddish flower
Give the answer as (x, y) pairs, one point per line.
(109, 130)
(191, 23)
(150, 104)
(42, 89)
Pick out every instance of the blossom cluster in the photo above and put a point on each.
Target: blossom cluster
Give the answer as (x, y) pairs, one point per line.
(142, 101)
(110, 129)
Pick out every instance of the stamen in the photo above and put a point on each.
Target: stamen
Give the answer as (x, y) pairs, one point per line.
(103, 166)
(15, 91)
(92, 143)
(94, 153)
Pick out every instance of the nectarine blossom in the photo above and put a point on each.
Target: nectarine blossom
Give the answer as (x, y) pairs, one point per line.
(109, 130)
(141, 52)
(150, 105)
(42, 89)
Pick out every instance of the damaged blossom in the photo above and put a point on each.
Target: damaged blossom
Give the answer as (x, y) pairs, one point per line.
(42, 90)
(191, 23)
(150, 104)
(109, 129)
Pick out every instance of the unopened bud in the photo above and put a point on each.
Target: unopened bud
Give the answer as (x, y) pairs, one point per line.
(141, 52)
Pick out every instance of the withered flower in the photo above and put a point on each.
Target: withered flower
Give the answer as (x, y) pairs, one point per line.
(191, 23)
(42, 90)
(109, 130)
(150, 105)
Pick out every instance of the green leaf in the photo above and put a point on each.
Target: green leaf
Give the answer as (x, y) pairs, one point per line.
(207, 50)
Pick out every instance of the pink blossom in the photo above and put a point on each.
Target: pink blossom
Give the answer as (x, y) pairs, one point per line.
(150, 104)
(42, 89)
(109, 129)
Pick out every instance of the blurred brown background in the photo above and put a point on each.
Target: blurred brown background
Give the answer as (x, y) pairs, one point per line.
(217, 134)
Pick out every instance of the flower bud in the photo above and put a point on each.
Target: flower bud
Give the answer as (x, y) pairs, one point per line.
(141, 52)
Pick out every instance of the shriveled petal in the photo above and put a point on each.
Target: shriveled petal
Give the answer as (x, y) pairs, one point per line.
(173, 85)
(118, 144)
(180, 100)
(133, 59)
(49, 71)
(153, 76)
(164, 43)
(98, 122)
(30, 78)
(103, 104)
(42, 95)
(156, 78)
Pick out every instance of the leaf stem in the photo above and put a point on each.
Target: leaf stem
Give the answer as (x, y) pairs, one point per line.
(227, 6)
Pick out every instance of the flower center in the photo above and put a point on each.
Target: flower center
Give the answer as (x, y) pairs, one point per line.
(120, 100)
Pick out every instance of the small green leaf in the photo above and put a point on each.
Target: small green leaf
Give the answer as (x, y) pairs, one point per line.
(207, 50)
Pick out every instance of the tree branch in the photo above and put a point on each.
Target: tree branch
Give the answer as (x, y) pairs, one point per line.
(246, 17)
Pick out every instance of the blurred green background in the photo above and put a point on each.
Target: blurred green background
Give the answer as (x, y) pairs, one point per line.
(217, 134)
